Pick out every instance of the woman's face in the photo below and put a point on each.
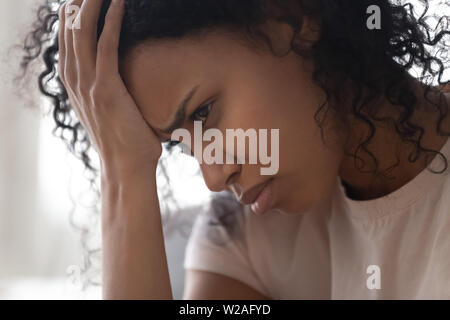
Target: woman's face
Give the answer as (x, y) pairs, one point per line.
(247, 90)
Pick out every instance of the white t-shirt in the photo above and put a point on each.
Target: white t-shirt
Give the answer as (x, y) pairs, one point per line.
(393, 247)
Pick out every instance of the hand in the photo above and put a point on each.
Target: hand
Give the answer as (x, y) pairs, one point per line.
(90, 73)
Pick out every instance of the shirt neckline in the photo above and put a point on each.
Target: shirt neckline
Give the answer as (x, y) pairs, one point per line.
(405, 196)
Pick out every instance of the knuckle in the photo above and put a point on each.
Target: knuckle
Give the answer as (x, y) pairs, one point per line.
(83, 90)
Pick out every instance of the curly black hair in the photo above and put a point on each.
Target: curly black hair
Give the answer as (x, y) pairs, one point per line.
(374, 63)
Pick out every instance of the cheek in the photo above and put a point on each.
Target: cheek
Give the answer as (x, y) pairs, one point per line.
(304, 155)
(307, 174)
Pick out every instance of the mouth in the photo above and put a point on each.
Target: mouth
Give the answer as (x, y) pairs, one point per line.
(259, 197)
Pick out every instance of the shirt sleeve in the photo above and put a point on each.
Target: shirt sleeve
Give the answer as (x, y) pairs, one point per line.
(220, 246)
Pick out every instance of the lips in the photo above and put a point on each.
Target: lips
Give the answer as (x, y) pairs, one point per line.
(251, 195)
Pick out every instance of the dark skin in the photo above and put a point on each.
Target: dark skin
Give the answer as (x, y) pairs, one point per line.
(386, 143)
(124, 110)
(264, 91)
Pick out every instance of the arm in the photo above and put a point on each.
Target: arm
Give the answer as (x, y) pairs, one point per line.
(203, 285)
(134, 257)
(134, 260)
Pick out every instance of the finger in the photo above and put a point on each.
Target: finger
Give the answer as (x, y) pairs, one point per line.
(61, 44)
(85, 38)
(70, 68)
(61, 55)
(108, 44)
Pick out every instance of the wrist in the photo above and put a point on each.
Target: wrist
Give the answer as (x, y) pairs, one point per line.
(126, 169)
(126, 189)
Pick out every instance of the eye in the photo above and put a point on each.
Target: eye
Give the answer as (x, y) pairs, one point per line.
(201, 112)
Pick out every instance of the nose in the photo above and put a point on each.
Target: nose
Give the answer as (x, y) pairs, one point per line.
(219, 177)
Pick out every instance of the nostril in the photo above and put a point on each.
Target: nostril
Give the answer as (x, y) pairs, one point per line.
(233, 171)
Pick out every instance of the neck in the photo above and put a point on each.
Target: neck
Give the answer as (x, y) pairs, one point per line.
(391, 153)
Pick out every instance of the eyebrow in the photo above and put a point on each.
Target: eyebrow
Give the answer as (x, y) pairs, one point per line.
(180, 114)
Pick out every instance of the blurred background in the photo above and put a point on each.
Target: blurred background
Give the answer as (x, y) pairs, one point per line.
(41, 182)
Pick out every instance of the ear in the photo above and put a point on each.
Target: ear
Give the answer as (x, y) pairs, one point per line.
(280, 34)
(284, 34)
(310, 30)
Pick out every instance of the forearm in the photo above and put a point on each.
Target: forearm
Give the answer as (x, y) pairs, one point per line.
(134, 257)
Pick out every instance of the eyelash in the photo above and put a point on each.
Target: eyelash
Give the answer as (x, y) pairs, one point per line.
(205, 107)
(192, 117)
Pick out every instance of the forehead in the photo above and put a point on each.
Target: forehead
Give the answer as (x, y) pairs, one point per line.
(159, 74)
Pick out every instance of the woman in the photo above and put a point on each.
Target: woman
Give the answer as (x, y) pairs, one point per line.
(352, 212)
